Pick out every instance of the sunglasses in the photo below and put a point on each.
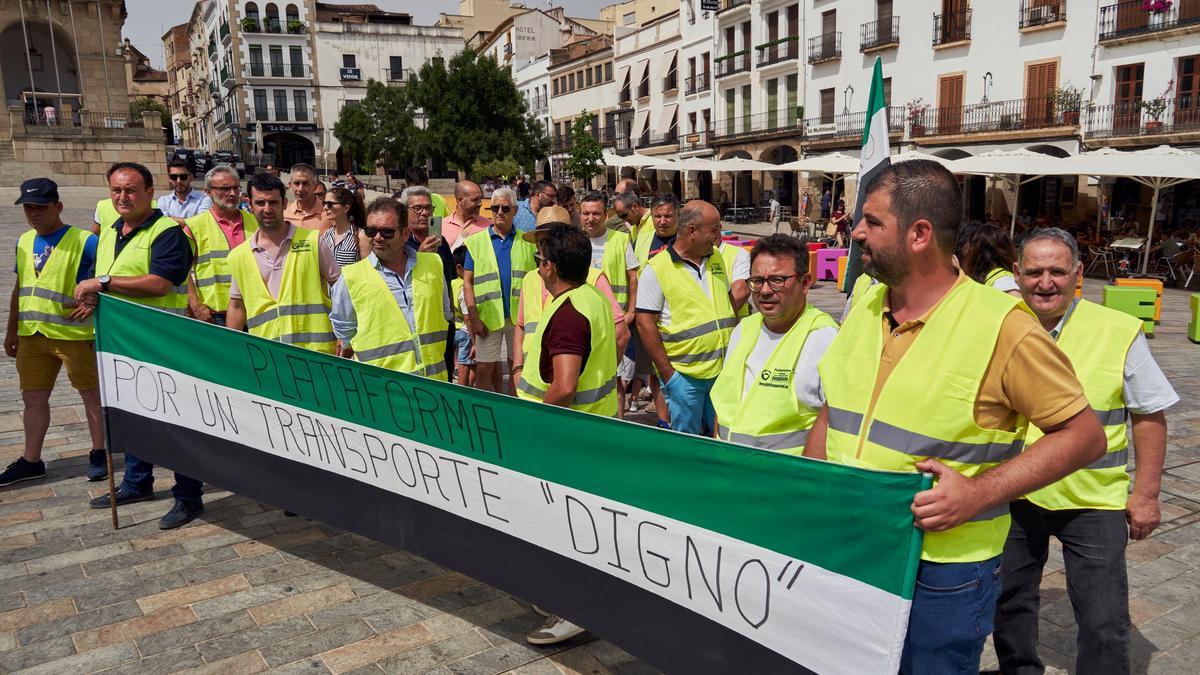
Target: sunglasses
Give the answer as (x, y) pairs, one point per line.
(330, 205)
(501, 209)
(386, 233)
(537, 259)
(178, 176)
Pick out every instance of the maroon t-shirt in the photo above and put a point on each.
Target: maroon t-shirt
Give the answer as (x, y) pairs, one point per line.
(568, 332)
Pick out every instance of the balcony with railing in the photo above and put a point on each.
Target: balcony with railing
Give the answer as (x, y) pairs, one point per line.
(731, 64)
(696, 84)
(295, 27)
(846, 129)
(224, 31)
(827, 47)
(727, 5)
(272, 25)
(1132, 20)
(398, 75)
(757, 126)
(226, 75)
(671, 81)
(1036, 14)
(879, 34)
(251, 24)
(951, 28)
(1142, 122)
(777, 51)
(995, 117)
(282, 70)
(659, 140)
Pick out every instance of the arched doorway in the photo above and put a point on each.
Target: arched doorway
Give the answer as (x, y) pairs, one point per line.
(741, 183)
(1043, 196)
(783, 183)
(286, 149)
(54, 70)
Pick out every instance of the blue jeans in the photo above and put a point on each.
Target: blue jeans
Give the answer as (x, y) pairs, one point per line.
(462, 344)
(951, 617)
(691, 409)
(139, 480)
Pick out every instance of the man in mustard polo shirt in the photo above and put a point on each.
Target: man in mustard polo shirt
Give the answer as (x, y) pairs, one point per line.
(934, 372)
(1091, 512)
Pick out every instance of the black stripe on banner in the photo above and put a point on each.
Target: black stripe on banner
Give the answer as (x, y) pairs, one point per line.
(652, 628)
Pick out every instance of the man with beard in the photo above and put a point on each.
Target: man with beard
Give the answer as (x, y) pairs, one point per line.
(217, 231)
(934, 372)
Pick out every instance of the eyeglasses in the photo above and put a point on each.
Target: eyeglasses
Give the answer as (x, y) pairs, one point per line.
(501, 209)
(178, 176)
(386, 233)
(775, 281)
(226, 190)
(421, 207)
(330, 205)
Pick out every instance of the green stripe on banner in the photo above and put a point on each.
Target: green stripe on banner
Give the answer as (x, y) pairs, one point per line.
(797, 507)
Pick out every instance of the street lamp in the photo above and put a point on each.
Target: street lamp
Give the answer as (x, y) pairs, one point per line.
(847, 93)
(987, 81)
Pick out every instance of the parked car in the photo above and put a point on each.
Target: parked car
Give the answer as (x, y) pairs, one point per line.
(227, 158)
(203, 162)
(186, 154)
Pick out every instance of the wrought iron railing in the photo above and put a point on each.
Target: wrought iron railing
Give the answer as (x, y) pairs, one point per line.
(696, 84)
(879, 33)
(993, 116)
(1129, 19)
(1134, 119)
(951, 27)
(848, 125)
(825, 47)
(784, 49)
(1035, 13)
(738, 62)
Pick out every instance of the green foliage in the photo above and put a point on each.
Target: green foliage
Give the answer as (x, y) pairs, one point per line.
(586, 155)
(503, 168)
(380, 129)
(474, 113)
(140, 105)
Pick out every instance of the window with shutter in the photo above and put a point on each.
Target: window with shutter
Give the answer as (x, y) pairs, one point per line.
(1128, 97)
(1041, 79)
(950, 97)
(1187, 93)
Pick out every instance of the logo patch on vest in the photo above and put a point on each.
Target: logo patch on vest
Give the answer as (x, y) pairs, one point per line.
(301, 246)
(779, 378)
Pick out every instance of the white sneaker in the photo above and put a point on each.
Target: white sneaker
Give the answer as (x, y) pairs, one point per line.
(555, 630)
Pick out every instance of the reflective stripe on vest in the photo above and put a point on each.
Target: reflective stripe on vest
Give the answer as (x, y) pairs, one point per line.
(134, 261)
(616, 245)
(534, 300)
(1097, 340)
(384, 337)
(729, 255)
(489, 299)
(925, 408)
(766, 414)
(212, 257)
(700, 322)
(300, 315)
(596, 391)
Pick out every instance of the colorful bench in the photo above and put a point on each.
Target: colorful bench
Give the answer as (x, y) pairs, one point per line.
(841, 271)
(1136, 301)
(1194, 326)
(1156, 284)
(827, 263)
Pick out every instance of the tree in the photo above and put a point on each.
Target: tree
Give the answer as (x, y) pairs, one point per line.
(139, 105)
(501, 168)
(380, 129)
(585, 154)
(473, 112)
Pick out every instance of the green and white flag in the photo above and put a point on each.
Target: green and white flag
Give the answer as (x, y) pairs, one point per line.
(693, 554)
(875, 156)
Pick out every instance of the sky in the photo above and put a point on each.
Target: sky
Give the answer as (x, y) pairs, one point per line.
(149, 19)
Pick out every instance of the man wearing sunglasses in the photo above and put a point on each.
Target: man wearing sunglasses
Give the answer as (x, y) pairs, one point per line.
(216, 231)
(393, 308)
(182, 202)
(543, 194)
(497, 261)
(769, 393)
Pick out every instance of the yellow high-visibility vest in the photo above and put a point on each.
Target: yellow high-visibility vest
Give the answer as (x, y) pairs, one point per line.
(616, 244)
(535, 300)
(767, 416)
(642, 243)
(1097, 340)
(47, 298)
(107, 213)
(134, 261)
(728, 255)
(926, 408)
(212, 253)
(300, 315)
(596, 392)
(456, 285)
(384, 338)
(489, 303)
(997, 274)
(696, 337)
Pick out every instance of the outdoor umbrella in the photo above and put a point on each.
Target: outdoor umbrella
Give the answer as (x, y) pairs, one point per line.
(832, 166)
(1157, 168)
(1015, 167)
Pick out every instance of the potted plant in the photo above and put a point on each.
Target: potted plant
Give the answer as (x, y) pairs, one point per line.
(1157, 9)
(295, 26)
(1155, 107)
(1067, 100)
(916, 108)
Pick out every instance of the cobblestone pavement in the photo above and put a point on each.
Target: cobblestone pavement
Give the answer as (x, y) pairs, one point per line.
(244, 589)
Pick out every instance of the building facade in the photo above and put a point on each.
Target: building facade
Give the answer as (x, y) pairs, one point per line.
(359, 43)
(581, 83)
(533, 81)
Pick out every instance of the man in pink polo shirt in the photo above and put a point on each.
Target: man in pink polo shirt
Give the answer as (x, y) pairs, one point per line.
(216, 231)
(465, 221)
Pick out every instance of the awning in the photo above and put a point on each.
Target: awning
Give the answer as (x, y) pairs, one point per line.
(623, 76)
(668, 116)
(641, 71)
(671, 56)
(639, 123)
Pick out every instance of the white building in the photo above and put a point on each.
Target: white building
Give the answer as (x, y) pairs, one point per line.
(533, 81)
(529, 35)
(358, 43)
(696, 30)
(646, 58)
(581, 83)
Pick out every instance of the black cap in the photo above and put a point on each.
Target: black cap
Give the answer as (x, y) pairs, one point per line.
(38, 191)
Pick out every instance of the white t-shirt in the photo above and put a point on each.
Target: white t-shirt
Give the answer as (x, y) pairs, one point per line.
(650, 294)
(1006, 283)
(631, 262)
(805, 379)
(741, 264)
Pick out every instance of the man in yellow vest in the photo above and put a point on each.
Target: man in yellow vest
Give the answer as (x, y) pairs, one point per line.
(217, 231)
(392, 309)
(497, 261)
(1090, 511)
(280, 277)
(685, 316)
(628, 207)
(737, 262)
(106, 214)
(572, 360)
(143, 257)
(612, 252)
(769, 393)
(48, 329)
(934, 372)
(615, 222)
(660, 224)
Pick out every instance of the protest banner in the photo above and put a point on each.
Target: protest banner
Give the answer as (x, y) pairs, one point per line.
(692, 554)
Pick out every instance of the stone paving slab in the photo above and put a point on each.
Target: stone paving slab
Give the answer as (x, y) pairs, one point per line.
(244, 589)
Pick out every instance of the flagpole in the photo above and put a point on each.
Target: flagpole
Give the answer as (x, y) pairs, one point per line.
(875, 156)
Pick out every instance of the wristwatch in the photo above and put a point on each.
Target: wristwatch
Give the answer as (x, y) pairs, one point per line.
(104, 280)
